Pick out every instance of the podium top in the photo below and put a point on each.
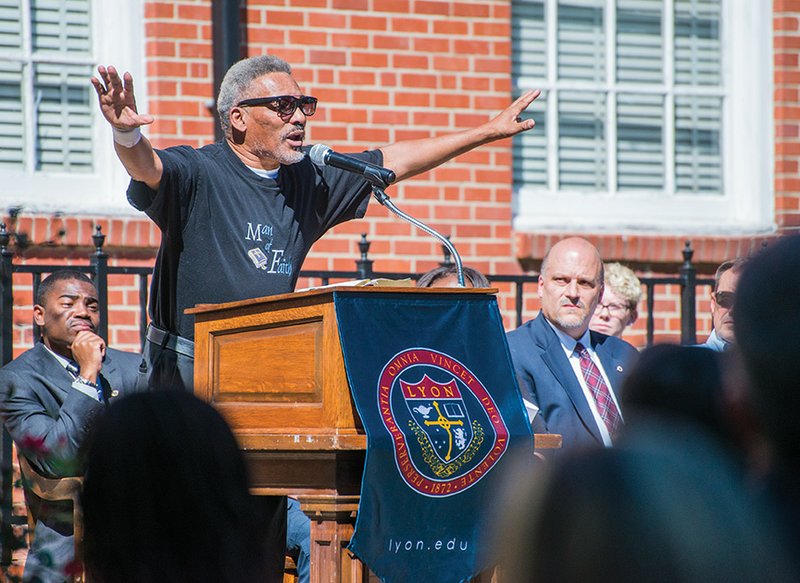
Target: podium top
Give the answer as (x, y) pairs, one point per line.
(323, 291)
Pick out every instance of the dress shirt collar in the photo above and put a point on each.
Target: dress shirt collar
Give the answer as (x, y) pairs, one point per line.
(65, 362)
(568, 342)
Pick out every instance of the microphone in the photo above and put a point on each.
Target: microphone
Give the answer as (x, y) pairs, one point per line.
(322, 155)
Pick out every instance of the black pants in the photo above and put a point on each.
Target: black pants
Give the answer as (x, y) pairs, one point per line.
(167, 362)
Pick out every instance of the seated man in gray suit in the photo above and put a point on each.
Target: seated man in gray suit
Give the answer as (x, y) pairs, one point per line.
(565, 370)
(49, 397)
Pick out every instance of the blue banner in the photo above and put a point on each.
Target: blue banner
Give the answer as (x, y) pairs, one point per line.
(432, 380)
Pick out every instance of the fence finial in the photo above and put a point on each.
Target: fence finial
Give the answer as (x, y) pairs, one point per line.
(364, 265)
(688, 252)
(5, 238)
(98, 239)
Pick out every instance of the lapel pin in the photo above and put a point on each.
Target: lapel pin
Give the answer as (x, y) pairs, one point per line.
(619, 368)
(115, 393)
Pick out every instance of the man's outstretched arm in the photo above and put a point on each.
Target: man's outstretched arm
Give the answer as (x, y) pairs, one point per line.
(118, 105)
(413, 157)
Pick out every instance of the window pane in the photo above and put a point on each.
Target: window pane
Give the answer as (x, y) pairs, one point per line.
(530, 148)
(698, 58)
(640, 148)
(528, 35)
(61, 26)
(63, 108)
(10, 29)
(639, 41)
(582, 140)
(698, 151)
(581, 40)
(12, 144)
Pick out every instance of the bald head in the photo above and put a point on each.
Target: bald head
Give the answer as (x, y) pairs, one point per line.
(571, 284)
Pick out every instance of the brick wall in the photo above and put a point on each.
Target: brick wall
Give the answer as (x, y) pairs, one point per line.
(394, 70)
(786, 25)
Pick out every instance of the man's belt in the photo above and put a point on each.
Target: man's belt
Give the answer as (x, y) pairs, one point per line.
(170, 341)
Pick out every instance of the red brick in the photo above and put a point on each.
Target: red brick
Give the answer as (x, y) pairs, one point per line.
(416, 25)
(349, 40)
(351, 4)
(450, 27)
(394, 43)
(785, 60)
(159, 10)
(369, 59)
(350, 78)
(327, 20)
(367, 97)
(432, 45)
(432, 119)
(492, 28)
(414, 61)
(347, 115)
(437, 8)
(166, 69)
(392, 117)
(194, 12)
(451, 63)
(470, 9)
(320, 57)
(172, 29)
(308, 37)
(371, 23)
(156, 48)
(371, 135)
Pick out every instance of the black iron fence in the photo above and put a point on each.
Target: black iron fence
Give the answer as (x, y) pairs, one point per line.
(100, 270)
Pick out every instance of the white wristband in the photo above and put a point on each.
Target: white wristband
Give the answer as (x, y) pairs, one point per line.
(127, 138)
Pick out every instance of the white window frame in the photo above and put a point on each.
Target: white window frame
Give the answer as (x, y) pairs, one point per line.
(747, 203)
(117, 39)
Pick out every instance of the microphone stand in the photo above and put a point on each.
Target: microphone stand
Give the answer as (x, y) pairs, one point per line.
(378, 191)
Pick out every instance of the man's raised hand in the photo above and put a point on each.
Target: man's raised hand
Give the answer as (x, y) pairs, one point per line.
(117, 101)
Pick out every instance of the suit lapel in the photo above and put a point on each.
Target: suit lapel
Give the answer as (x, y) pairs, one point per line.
(112, 376)
(555, 359)
(50, 368)
(612, 365)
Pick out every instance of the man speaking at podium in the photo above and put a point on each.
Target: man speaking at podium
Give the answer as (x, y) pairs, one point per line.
(238, 217)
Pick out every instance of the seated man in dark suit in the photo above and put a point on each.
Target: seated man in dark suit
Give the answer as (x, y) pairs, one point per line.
(565, 370)
(49, 397)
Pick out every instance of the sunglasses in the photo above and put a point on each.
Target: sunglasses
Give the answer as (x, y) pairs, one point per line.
(284, 105)
(724, 299)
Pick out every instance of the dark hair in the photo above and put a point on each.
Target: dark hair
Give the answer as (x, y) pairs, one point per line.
(671, 509)
(679, 383)
(472, 275)
(48, 282)
(166, 496)
(766, 326)
(734, 265)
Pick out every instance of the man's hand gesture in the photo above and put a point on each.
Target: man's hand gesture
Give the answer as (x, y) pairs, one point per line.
(117, 101)
(88, 350)
(508, 122)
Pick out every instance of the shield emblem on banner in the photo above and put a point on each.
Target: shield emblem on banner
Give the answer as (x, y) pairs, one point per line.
(441, 414)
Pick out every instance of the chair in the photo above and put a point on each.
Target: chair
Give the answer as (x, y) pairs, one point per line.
(54, 489)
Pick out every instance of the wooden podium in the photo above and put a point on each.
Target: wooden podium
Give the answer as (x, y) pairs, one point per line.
(274, 368)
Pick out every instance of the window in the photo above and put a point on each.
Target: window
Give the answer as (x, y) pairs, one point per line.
(651, 116)
(55, 150)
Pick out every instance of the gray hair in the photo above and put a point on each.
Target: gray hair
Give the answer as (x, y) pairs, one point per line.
(237, 82)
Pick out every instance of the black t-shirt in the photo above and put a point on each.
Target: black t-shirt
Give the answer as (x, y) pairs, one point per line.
(229, 234)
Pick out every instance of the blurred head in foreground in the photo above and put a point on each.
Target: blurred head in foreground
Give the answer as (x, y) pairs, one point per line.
(166, 496)
(669, 508)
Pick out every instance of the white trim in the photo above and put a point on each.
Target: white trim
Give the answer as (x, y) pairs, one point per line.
(118, 38)
(747, 202)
